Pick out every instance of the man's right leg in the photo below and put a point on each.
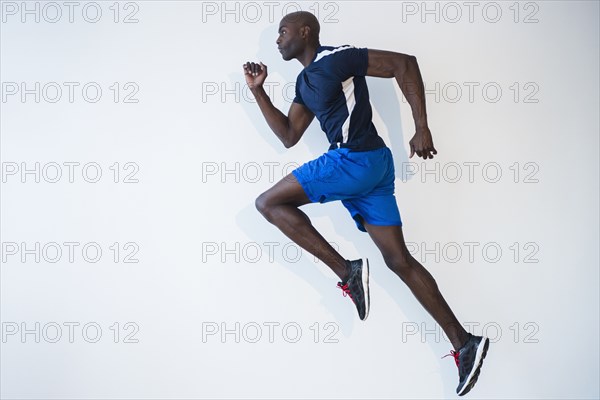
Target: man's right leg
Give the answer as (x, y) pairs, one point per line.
(469, 350)
(279, 205)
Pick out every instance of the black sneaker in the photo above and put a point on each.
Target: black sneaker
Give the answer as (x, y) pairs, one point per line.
(469, 359)
(357, 286)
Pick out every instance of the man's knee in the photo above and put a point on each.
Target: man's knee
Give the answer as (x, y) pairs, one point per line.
(265, 205)
(398, 262)
(262, 204)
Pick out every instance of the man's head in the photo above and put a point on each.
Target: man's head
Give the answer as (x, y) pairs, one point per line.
(297, 31)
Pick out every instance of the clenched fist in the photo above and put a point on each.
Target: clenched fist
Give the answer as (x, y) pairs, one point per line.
(255, 74)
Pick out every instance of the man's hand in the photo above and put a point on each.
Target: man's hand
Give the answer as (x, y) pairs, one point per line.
(422, 144)
(255, 74)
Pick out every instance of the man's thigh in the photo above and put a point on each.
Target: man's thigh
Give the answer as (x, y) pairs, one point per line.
(287, 191)
(389, 239)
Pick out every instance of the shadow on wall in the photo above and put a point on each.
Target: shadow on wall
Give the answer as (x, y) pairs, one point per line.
(386, 104)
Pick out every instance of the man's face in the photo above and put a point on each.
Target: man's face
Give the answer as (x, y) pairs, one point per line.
(289, 42)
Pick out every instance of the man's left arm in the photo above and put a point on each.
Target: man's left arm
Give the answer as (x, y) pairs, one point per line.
(403, 67)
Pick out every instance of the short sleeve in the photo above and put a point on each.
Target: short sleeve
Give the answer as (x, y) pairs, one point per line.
(298, 97)
(352, 61)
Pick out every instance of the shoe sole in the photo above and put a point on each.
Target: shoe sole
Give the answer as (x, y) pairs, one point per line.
(365, 283)
(482, 350)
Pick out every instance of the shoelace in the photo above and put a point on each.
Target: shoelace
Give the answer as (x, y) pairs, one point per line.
(345, 289)
(454, 354)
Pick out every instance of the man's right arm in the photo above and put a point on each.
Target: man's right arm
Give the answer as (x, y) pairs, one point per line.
(289, 129)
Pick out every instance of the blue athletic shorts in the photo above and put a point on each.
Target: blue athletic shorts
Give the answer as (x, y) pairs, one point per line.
(362, 180)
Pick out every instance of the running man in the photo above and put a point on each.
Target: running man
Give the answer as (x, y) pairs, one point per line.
(357, 169)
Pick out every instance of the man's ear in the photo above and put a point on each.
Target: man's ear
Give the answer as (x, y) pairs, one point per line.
(305, 31)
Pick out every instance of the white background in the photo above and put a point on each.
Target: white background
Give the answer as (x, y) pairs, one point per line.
(206, 258)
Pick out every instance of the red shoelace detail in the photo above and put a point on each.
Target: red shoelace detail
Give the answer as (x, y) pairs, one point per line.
(345, 289)
(454, 354)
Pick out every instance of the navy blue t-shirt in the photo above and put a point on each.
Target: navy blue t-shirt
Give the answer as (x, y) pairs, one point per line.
(334, 88)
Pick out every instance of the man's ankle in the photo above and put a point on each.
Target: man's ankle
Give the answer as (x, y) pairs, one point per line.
(348, 271)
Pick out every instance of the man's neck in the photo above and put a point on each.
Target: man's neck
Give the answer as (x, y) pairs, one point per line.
(308, 55)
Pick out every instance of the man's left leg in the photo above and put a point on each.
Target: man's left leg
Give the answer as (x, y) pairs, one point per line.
(279, 205)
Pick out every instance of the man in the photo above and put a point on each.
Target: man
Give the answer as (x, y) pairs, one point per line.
(358, 169)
